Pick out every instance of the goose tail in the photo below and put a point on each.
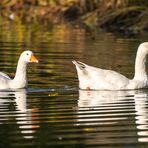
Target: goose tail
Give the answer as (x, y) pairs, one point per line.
(81, 67)
(79, 64)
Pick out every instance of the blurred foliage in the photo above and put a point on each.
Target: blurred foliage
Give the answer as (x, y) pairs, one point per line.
(111, 14)
(125, 16)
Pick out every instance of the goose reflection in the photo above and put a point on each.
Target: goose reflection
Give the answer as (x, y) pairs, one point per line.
(20, 99)
(24, 117)
(141, 108)
(115, 108)
(97, 98)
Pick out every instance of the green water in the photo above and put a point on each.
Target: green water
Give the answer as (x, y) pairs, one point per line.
(53, 112)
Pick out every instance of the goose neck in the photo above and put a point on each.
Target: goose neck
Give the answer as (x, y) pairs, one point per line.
(140, 66)
(21, 73)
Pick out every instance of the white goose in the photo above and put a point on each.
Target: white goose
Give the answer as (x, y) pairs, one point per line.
(92, 78)
(20, 79)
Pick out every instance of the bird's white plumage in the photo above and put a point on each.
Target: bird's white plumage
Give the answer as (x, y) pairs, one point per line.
(4, 80)
(101, 79)
(20, 79)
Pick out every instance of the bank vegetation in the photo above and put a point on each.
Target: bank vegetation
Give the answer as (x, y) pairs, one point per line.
(125, 16)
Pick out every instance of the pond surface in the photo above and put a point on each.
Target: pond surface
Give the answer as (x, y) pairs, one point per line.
(53, 112)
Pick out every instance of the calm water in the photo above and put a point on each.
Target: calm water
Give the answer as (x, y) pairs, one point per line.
(53, 112)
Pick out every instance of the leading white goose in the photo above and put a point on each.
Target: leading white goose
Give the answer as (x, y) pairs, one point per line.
(20, 79)
(92, 78)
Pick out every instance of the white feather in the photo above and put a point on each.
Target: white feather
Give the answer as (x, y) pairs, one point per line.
(20, 79)
(101, 79)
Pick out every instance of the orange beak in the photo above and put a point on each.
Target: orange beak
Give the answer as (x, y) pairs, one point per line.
(33, 59)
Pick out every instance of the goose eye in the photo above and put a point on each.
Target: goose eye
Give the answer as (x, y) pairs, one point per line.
(27, 53)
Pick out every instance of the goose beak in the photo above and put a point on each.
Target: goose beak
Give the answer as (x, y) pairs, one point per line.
(33, 59)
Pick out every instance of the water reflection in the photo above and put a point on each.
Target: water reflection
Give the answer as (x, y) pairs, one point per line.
(115, 108)
(20, 99)
(97, 98)
(141, 107)
(55, 117)
(26, 119)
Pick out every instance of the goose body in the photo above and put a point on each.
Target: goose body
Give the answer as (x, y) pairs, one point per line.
(93, 78)
(20, 79)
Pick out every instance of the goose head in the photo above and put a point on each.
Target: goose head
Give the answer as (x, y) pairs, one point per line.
(28, 57)
(144, 47)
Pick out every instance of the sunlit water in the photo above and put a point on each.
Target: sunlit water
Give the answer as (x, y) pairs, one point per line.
(53, 112)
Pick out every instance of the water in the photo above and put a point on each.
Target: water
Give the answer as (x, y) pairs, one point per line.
(53, 112)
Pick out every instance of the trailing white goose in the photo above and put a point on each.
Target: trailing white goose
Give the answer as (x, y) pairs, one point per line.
(92, 78)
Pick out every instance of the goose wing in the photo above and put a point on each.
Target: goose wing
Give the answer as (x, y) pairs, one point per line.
(4, 76)
(4, 80)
